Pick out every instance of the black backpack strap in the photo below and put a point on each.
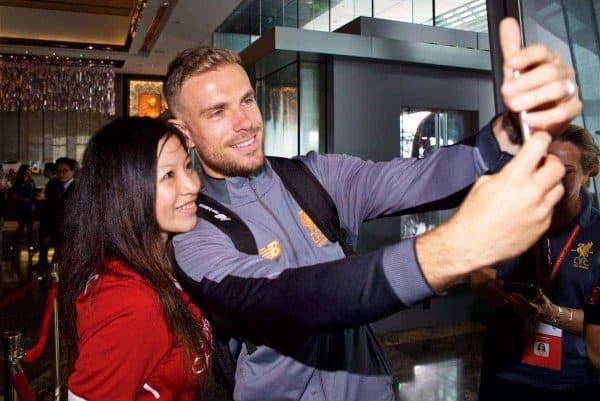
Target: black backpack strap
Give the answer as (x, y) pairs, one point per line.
(232, 226)
(312, 198)
(228, 222)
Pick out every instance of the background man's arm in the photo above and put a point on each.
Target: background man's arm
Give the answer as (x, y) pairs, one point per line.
(592, 341)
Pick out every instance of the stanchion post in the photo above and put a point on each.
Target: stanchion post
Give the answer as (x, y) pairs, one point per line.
(11, 342)
(56, 337)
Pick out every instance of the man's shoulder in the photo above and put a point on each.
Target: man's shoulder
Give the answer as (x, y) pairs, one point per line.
(205, 233)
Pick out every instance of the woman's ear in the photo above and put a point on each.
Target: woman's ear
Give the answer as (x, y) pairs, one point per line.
(182, 127)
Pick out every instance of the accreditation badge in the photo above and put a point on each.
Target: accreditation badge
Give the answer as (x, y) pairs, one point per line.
(542, 346)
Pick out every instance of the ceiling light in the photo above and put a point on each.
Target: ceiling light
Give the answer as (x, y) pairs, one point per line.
(91, 47)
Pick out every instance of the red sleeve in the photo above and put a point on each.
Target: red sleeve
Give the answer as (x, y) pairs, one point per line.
(122, 338)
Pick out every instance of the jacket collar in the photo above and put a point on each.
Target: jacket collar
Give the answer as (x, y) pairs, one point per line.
(236, 191)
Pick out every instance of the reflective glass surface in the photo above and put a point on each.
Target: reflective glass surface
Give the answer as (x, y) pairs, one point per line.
(277, 95)
(421, 133)
(254, 18)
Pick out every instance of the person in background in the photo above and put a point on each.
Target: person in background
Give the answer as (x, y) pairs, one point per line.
(49, 170)
(553, 281)
(130, 332)
(52, 192)
(23, 193)
(592, 328)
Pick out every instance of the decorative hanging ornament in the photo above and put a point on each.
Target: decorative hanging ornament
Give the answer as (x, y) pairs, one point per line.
(39, 84)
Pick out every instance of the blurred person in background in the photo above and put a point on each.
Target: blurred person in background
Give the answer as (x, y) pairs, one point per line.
(534, 346)
(23, 194)
(51, 193)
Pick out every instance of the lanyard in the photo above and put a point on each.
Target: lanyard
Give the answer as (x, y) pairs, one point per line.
(557, 262)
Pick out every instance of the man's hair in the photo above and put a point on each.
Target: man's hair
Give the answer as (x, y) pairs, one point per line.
(582, 138)
(71, 163)
(191, 62)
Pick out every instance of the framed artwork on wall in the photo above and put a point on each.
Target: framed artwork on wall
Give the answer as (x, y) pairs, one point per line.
(144, 97)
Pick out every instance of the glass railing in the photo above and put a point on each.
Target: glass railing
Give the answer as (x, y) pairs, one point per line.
(253, 18)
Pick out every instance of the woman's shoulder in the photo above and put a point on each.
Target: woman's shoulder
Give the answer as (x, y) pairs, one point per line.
(119, 292)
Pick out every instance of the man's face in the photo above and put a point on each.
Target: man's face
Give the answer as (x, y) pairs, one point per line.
(64, 173)
(575, 177)
(219, 114)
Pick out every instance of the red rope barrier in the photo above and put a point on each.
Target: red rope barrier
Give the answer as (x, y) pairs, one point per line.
(22, 387)
(15, 295)
(34, 352)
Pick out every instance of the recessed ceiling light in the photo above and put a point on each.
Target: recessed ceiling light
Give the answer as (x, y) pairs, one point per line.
(91, 47)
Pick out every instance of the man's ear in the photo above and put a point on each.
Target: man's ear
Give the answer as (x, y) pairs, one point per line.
(182, 127)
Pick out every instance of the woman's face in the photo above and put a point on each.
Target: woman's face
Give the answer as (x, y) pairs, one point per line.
(575, 178)
(177, 186)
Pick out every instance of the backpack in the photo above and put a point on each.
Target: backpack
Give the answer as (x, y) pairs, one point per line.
(312, 198)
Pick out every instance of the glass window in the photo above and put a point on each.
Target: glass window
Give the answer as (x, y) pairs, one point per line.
(312, 107)
(468, 15)
(277, 95)
(344, 11)
(232, 41)
(313, 15)
(421, 133)
(414, 11)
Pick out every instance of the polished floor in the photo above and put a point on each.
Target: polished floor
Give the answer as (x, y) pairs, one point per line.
(431, 364)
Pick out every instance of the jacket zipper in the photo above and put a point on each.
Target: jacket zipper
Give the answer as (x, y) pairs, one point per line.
(285, 233)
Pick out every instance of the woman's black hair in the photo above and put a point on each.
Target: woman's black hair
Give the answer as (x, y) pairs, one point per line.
(111, 214)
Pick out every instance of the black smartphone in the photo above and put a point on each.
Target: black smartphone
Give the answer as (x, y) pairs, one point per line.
(528, 290)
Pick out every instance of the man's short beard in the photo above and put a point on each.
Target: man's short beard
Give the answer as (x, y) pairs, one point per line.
(228, 168)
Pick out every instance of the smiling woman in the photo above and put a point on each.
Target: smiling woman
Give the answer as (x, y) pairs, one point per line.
(131, 333)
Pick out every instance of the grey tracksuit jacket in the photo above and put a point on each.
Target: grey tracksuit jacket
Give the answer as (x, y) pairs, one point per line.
(303, 302)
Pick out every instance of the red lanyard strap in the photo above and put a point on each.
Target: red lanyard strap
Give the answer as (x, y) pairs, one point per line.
(557, 262)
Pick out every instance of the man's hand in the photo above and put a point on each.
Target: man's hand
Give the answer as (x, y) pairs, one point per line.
(502, 216)
(546, 88)
(485, 285)
(528, 309)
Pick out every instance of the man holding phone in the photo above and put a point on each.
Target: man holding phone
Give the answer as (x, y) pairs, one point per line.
(534, 345)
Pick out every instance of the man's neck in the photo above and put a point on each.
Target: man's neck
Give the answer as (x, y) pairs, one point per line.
(564, 213)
